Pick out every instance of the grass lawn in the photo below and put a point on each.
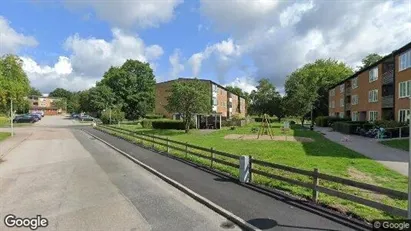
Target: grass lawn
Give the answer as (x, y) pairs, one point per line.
(4, 135)
(399, 144)
(327, 156)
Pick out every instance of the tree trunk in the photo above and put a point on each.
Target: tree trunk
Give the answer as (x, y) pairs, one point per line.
(302, 122)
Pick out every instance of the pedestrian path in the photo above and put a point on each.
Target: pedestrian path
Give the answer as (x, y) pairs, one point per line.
(392, 158)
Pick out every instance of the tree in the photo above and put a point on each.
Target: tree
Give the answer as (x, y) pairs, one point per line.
(84, 101)
(14, 83)
(100, 98)
(307, 87)
(189, 97)
(267, 100)
(61, 93)
(369, 60)
(113, 115)
(134, 87)
(34, 92)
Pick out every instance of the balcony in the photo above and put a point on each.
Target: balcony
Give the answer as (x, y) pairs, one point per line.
(388, 77)
(347, 106)
(348, 90)
(388, 101)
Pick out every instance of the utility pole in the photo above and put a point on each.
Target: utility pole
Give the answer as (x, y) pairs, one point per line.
(11, 117)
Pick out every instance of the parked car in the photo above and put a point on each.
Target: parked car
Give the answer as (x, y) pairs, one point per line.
(37, 115)
(86, 118)
(25, 119)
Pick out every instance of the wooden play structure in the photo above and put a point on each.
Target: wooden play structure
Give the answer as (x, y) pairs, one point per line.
(265, 128)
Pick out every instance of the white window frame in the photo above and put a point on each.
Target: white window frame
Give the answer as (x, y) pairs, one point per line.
(403, 113)
(404, 60)
(354, 83)
(342, 102)
(372, 115)
(341, 88)
(354, 102)
(373, 74)
(406, 91)
(373, 96)
(355, 116)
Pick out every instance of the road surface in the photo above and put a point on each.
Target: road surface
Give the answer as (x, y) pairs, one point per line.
(78, 183)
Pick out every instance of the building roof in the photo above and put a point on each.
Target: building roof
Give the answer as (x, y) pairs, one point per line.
(204, 80)
(391, 55)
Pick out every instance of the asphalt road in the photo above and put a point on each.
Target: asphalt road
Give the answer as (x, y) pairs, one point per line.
(267, 212)
(78, 183)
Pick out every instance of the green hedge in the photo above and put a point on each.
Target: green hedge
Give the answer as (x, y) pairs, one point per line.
(153, 116)
(4, 121)
(349, 127)
(146, 123)
(168, 124)
(324, 121)
(389, 124)
(271, 120)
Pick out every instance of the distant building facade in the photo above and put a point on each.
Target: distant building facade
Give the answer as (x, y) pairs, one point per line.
(222, 101)
(49, 105)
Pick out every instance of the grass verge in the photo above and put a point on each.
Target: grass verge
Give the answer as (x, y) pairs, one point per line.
(398, 144)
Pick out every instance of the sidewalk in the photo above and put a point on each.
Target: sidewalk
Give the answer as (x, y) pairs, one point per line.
(392, 158)
(12, 142)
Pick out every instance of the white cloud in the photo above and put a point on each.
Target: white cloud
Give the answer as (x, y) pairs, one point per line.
(176, 66)
(11, 41)
(125, 13)
(89, 59)
(285, 35)
(245, 83)
(223, 53)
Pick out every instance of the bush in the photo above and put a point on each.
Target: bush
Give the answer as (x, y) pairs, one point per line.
(325, 121)
(350, 127)
(389, 124)
(146, 123)
(260, 119)
(168, 124)
(116, 116)
(292, 122)
(153, 116)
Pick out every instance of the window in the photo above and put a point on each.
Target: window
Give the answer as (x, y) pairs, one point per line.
(341, 102)
(215, 101)
(332, 105)
(405, 89)
(354, 116)
(341, 88)
(405, 60)
(373, 74)
(373, 96)
(354, 83)
(372, 115)
(354, 99)
(332, 92)
(403, 115)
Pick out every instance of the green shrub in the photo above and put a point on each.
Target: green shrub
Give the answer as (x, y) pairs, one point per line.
(153, 116)
(4, 121)
(292, 122)
(116, 116)
(350, 127)
(168, 124)
(146, 123)
(259, 119)
(389, 124)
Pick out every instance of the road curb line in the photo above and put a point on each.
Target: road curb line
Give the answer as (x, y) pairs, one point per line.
(232, 217)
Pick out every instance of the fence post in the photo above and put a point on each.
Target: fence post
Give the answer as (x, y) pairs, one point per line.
(315, 183)
(212, 157)
(186, 149)
(168, 146)
(250, 169)
(244, 169)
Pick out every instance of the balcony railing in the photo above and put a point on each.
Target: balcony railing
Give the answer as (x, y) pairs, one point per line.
(388, 101)
(388, 77)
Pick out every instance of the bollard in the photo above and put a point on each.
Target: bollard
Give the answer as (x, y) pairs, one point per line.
(315, 183)
(212, 157)
(168, 146)
(244, 169)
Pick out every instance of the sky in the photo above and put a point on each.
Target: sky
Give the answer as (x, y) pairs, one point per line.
(71, 43)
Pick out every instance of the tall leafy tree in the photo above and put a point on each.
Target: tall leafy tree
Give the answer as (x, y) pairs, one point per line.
(188, 98)
(307, 87)
(61, 93)
(100, 98)
(14, 83)
(34, 92)
(370, 59)
(267, 100)
(134, 86)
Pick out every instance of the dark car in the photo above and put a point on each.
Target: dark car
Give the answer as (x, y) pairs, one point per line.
(36, 115)
(24, 119)
(86, 118)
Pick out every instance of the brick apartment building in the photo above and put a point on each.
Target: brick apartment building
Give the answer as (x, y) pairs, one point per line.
(45, 104)
(223, 102)
(378, 92)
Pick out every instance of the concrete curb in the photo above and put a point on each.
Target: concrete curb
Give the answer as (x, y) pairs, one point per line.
(230, 216)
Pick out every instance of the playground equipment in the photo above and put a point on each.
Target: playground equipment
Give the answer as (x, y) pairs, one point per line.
(265, 127)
